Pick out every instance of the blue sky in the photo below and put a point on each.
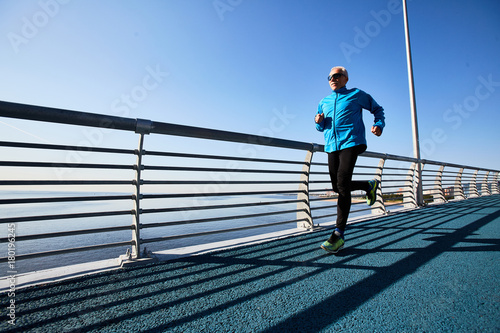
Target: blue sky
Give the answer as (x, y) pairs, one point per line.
(243, 65)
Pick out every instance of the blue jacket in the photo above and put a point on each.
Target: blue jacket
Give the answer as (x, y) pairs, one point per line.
(343, 120)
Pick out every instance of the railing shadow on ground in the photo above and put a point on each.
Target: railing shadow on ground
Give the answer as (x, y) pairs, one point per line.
(245, 289)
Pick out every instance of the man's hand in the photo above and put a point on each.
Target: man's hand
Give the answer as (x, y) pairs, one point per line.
(319, 118)
(376, 130)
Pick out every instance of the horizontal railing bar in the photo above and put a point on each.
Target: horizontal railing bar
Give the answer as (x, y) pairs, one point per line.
(388, 156)
(247, 204)
(360, 203)
(323, 207)
(66, 182)
(216, 157)
(394, 168)
(323, 198)
(66, 251)
(366, 167)
(228, 182)
(64, 199)
(64, 216)
(324, 216)
(400, 178)
(216, 219)
(61, 116)
(393, 181)
(394, 186)
(357, 166)
(174, 168)
(68, 233)
(361, 210)
(318, 190)
(353, 196)
(187, 195)
(65, 165)
(204, 133)
(65, 147)
(354, 174)
(207, 233)
(362, 174)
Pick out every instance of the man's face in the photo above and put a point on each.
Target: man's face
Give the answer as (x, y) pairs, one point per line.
(339, 80)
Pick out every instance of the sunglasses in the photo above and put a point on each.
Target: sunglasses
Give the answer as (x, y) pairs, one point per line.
(335, 76)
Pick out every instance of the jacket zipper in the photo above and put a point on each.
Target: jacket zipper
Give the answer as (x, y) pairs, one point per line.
(333, 121)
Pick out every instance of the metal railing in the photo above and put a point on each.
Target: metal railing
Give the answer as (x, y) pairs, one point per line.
(163, 195)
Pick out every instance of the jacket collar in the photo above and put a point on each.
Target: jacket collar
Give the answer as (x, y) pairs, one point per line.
(340, 90)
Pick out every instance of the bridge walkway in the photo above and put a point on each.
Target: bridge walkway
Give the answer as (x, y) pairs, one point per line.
(434, 269)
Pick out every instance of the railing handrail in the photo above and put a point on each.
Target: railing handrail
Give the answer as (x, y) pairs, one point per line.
(69, 117)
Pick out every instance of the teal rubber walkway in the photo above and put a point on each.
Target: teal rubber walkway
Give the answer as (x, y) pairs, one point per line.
(435, 269)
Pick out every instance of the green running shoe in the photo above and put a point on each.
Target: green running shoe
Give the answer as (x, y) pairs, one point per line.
(335, 247)
(371, 196)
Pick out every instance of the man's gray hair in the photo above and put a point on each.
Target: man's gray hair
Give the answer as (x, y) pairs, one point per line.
(344, 71)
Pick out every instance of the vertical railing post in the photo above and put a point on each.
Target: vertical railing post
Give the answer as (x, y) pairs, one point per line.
(438, 186)
(484, 186)
(409, 200)
(419, 185)
(473, 192)
(379, 205)
(458, 191)
(142, 127)
(494, 185)
(136, 231)
(304, 206)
